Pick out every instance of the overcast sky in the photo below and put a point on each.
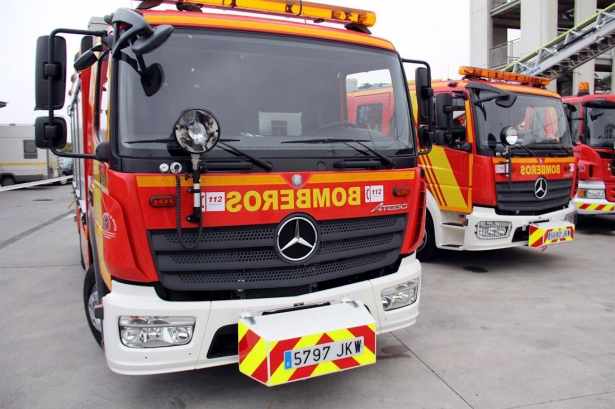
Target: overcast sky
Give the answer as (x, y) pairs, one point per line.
(433, 30)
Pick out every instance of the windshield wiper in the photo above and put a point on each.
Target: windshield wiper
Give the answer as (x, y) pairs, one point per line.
(383, 158)
(558, 144)
(152, 141)
(532, 153)
(257, 161)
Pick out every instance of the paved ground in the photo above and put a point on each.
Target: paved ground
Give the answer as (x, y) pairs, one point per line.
(508, 329)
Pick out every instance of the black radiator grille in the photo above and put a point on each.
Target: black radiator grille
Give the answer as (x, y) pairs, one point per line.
(520, 198)
(244, 258)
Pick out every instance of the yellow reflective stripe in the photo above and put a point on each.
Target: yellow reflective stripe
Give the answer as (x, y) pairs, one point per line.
(242, 329)
(446, 179)
(367, 357)
(340, 335)
(537, 235)
(24, 163)
(324, 368)
(255, 357)
(209, 180)
(281, 375)
(360, 177)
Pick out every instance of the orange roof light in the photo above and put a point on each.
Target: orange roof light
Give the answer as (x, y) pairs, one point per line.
(504, 76)
(291, 8)
(583, 86)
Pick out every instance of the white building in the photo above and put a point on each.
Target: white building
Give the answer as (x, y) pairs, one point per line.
(502, 31)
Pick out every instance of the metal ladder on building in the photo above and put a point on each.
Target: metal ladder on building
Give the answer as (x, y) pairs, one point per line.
(575, 47)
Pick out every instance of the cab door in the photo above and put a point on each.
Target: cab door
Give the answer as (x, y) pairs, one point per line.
(448, 167)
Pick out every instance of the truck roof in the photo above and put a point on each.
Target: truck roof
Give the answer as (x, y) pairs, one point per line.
(270, 25)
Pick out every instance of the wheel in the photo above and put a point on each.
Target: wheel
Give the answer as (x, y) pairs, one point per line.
(336, 124)
(65, 181)
(90, 299)
(427, 248)
(8, 181)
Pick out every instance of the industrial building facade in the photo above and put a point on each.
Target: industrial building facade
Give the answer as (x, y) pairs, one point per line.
(493, 44)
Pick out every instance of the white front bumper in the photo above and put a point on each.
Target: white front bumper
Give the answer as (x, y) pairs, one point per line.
(593, 206)
(472, 243)
(211, 315)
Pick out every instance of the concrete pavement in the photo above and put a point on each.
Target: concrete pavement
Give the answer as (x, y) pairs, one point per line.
(515, 328)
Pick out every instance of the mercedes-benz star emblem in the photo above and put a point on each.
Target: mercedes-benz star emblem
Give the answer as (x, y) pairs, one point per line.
(540, 188)
(297, 180)
(297, 239)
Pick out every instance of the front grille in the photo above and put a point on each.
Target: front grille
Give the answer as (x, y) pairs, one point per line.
(520, 198)
(243, 259)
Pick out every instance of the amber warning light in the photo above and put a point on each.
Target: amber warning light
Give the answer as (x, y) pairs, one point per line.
(162, 201)
(401, 191)
(504, 76)
(292, 8)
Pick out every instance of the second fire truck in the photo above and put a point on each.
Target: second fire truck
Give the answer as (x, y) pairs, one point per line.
(502, 170)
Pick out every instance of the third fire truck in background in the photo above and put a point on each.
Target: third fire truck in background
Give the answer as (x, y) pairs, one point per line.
(502, 170)
(592, 125)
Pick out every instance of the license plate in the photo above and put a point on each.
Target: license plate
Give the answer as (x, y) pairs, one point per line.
(331, 351)
(559, 234)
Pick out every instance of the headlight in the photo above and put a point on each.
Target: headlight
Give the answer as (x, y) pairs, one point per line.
(592, 193)
(493, 230)
(401, 295)
(152, 332)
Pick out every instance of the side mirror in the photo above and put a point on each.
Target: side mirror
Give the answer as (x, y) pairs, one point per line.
(46, 71)
(444, 111)
(48, 136)
(143, 37)
(85, 60)
(443, 137)
(424, 93)
(424, 98)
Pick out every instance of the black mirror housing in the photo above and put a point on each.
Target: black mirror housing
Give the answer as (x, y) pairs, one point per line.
(424, 93)
(444, 111)
(45, 70)
(85, 60)
(47, 135)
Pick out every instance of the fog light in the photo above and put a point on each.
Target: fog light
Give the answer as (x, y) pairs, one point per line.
(592, 193)
(401, 295)
(493, 230)
(153, 332)
(571, 218)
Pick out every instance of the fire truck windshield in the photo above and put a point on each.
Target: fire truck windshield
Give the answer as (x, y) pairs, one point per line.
(540, 122)
(265, 89)
(600, 126)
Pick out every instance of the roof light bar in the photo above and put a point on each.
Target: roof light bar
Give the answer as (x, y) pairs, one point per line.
(291, 8)
(505, 76)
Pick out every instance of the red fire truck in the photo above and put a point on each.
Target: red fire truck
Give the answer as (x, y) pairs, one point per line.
(502, 170)
(229, 209)
(592, 124)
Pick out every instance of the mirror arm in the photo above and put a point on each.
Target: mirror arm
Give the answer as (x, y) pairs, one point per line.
(71, 155)
(51, 69)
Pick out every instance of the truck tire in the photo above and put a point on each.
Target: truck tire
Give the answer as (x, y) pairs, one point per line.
(427, 249)
(7, 181)
(90, 299)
